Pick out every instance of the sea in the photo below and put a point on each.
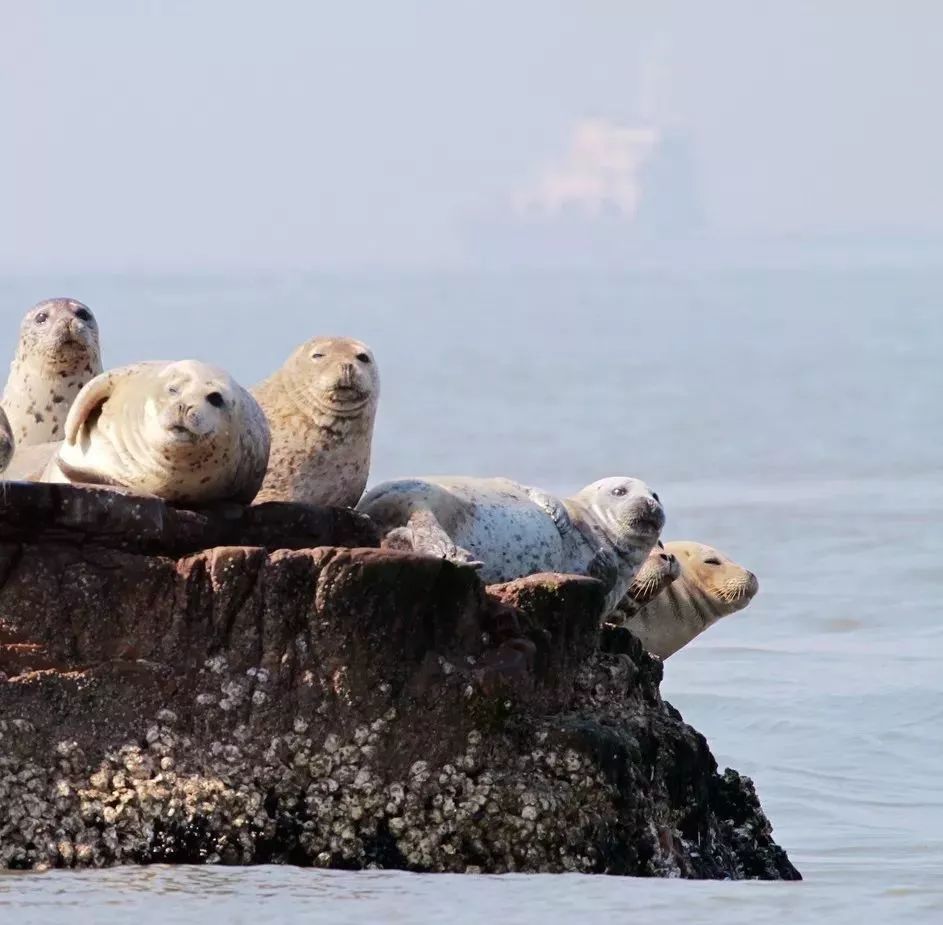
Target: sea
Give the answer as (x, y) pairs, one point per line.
(790, 417)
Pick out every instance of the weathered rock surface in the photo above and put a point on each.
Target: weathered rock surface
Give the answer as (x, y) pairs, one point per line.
(343, 707)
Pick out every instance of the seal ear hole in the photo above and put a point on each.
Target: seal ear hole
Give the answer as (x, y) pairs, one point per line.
(215, 399)
(363, 357)
(83, 314)
(712, 560)
(41, 318)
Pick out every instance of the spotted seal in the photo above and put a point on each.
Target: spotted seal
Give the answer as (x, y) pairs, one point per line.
(57, 353)
(710, 586)
(183, 431)
(321, 406)
(605, 530)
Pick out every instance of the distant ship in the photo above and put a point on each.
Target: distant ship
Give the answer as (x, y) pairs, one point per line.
(623, 198)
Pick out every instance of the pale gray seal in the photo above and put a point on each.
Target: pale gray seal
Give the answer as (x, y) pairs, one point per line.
(320, 405)
(605, 530)
(57, 353)
(183, 431)
(710, 586)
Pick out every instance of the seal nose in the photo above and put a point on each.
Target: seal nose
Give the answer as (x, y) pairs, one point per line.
(666, 556)
(347, 374)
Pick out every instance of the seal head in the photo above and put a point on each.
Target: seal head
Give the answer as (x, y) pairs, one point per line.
(711, 586)
(321, 407)
(184, 431)
(57, 353)
(657, 572)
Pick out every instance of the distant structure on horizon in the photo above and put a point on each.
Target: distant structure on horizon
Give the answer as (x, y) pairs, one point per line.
(620, 196)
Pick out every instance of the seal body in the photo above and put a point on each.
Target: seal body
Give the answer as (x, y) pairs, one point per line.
(321, 406)
(512, 530)
(183, 431)
(659, 570)
(710, 586)
(57, 353)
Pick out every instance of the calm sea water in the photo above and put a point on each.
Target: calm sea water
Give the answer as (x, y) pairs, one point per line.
(791, 419)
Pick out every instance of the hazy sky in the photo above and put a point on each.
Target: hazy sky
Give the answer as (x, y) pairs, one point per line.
(223, 133)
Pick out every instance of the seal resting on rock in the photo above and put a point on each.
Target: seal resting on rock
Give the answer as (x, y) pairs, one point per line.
(658, 571)
(321, 406)
(605, 530)
(57, 354)
(183, 431)
(710, 586)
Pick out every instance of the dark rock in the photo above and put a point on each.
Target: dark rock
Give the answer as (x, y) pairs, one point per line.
(331, 706)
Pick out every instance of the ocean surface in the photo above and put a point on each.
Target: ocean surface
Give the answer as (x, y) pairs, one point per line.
(793, 419)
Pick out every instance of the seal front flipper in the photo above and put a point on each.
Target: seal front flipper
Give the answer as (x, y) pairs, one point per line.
(424, 534)
(553, 507)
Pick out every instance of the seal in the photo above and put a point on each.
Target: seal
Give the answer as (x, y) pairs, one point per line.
(710, 586)
(657, 572)
(511, 530)
(56, 355)
(183, 431)
(7, 443)
(321, 406)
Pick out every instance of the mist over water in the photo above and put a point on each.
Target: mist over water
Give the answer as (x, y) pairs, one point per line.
(791, 419)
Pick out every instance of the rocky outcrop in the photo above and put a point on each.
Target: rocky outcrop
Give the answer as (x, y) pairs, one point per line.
(165, 698)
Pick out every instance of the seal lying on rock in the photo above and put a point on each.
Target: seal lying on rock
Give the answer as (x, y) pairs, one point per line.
(321, 406)
(183, 431)
(56, 355)
(710, 586)
(605, 530)
(657, 572)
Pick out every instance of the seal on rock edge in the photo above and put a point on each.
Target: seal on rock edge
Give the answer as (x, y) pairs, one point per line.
(658, 571)
(605, 530)
(321, 405)
(710, 586)
(57, 354)
(183, 431)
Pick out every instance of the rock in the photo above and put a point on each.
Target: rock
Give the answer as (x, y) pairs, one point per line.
(331, 706)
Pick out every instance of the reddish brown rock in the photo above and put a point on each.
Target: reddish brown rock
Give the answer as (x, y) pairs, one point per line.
(333, 706)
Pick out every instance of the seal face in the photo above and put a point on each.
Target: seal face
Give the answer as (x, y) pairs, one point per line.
(512, 530)
(183, 431)
(711, 586)
(57, 353)
(321, 406)
(658, 571)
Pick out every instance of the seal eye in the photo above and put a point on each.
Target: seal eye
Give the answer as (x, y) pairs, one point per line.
(215, 399)
(317, 356)
(83, 314)
(363, 357)
(712, 560)
(173, 389)
(41, 318)
(655, 496)
(618, 492)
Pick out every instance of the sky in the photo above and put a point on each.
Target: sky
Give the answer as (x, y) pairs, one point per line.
(226, 134)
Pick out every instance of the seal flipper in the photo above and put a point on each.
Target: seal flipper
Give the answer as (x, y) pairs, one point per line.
(424, 534)
(94, 394)
(553, 507)
(603, 566)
